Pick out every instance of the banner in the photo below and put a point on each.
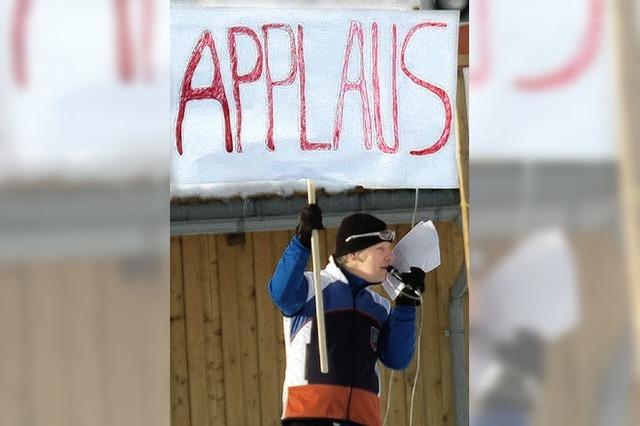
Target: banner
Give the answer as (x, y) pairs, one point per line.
(341, 96)
(541, 83)
(87, 98)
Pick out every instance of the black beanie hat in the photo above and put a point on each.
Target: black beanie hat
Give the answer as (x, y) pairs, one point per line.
(358, 223)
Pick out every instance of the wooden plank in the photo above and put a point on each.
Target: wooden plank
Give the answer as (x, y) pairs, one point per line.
(132, 354)
(196, 276)
(402, 388)
(13, 351)
(577, 365)
(451, 258)
(410, 372)
(432, 375)
(279, 241)
(556, 404)
(267, 330)
(180, 413)
(145, 283)
(383, 373)
(394, 406)
(48, 361)
(124, 363)
(85, 347)
(214, 363)
(428, 399)
(451, 265)
(229, 313)
(246, 293)
(397, 409)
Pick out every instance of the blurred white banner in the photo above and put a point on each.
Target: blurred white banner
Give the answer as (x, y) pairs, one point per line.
(84, 88)
(541, 80)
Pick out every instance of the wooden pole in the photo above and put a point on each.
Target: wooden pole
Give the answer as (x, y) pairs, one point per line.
(626, 61)
(462, 160)
(317, 285)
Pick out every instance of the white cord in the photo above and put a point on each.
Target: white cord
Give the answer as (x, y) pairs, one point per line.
(415, 379)
(415, 209)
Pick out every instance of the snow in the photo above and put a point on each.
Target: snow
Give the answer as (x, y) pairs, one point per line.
(251, 189)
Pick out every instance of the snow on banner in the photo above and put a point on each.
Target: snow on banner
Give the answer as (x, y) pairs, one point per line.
(340, 96)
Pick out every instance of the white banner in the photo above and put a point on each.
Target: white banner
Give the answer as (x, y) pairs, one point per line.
(87, 98)
(541, 83)
(342, 96)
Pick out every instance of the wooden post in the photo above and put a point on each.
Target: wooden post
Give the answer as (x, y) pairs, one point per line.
(626, 50)
(317, 285)
(461, 129)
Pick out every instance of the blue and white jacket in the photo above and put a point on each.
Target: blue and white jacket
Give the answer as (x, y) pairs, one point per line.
(361, 329)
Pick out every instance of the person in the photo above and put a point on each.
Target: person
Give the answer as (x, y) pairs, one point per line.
(361, 327)
(515, 379)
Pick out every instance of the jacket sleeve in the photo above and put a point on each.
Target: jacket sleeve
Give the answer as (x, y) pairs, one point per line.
(398, 337)
(288, 287)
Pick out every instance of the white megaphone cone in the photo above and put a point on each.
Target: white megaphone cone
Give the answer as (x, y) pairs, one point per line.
(419, 248)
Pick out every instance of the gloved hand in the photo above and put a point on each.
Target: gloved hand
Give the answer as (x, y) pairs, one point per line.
(414, 280)
(310, 218)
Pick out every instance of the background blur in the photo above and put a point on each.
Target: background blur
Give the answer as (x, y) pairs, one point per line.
(554, 212)
(84, 232)
(84, 206)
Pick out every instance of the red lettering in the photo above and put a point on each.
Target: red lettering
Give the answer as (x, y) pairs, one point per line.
(124, 44)
(270, 82)
(439, 92)
(238, 79)
(578, 64)
(215, 91)
(18, 42)
(355, 30)
(480, 70)
(123, 41)
(147, 37)
(305, 144)
(376, 91)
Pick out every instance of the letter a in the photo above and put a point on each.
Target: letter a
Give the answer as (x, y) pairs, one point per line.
(360, 85)
(215, 91)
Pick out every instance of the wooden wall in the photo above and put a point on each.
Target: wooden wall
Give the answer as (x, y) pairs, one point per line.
(227, 347)
(83, 342)
(573, 388)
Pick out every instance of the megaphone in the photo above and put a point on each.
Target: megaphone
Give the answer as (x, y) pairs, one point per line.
(393, 285)
(420, 249)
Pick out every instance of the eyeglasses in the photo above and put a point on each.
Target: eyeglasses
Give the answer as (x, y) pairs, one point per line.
(386, 235)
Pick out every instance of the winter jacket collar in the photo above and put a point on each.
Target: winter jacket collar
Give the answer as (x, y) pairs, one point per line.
(336, 273)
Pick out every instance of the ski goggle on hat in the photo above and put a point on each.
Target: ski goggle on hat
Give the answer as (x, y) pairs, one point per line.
(386, 235)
